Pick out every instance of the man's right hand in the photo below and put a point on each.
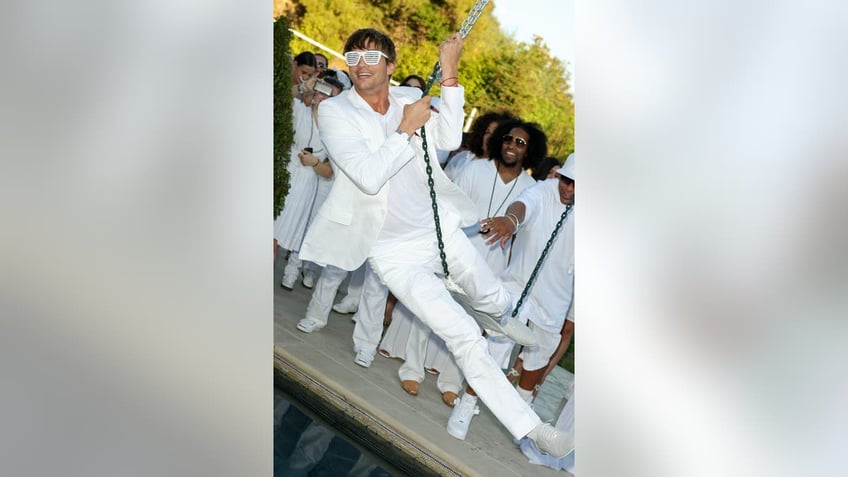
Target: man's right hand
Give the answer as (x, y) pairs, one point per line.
(415, 115)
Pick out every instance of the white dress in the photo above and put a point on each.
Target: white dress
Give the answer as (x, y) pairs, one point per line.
(300, 203)
(393, 344)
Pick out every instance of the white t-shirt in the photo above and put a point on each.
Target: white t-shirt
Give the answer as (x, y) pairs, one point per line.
(480, 180)
(409, 215)
(553, 287)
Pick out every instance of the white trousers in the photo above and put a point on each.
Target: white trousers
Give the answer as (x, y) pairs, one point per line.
(324, 293)
(369, 315)
(292, 265)
(354, 285)
(409, 270)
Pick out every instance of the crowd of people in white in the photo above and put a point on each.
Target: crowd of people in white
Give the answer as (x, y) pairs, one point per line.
(449, 268)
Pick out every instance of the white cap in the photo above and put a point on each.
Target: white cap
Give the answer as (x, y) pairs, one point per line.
(568, 168)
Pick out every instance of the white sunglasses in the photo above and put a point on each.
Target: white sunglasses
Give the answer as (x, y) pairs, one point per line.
(372, 57)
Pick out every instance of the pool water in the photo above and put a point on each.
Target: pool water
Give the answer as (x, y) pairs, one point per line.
(305, 447)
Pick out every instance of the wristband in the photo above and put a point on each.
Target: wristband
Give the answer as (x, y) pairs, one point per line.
(514, 219)
(455, 81)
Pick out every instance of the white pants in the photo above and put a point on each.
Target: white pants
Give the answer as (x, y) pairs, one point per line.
(354, 285)
(408, 268)
(539, 355)
(292, 265)
(369, 316)
(324, 293)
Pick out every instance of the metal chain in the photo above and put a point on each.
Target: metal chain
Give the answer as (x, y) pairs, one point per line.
(434, 205)
(469, 22)
(436, 75)
(541, 259)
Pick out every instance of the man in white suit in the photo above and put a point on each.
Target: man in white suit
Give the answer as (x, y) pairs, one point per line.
(379, 210)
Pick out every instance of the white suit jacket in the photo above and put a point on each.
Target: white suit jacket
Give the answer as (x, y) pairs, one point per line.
(349, 222)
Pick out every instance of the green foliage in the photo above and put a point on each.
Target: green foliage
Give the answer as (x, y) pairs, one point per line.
(283, 129)
(497, 71)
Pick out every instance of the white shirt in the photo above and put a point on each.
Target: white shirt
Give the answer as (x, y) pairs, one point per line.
(409, 215)
(458, 162)
(480, 180)
(553, 287)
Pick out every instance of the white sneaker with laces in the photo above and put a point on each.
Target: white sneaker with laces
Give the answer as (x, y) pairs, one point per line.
(309, 279)
(552, 441)
(460, 419)
(308, 325)
(363, 358)
(345, 307)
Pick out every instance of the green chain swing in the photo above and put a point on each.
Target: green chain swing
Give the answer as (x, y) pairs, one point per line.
(435, 76)
(541, 259)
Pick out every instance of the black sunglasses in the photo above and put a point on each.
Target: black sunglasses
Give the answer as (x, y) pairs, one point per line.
(565, 180)
(520, 142)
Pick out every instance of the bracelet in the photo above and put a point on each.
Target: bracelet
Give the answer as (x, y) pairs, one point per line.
(514, 219)
(442, 83)
(317, 161)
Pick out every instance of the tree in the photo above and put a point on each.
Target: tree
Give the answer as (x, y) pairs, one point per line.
(283, 130)
(497, 71)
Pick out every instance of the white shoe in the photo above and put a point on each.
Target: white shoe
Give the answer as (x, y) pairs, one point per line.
(460, 419)
(363, 358)
(309, 279)
(344, 307)
(308, 325)
(552, 441)
(512, 329)
(288, 281)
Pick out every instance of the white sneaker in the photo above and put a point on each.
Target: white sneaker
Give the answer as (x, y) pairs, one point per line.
(460, 419)
(345, 307)
(552, 441)
(308, 325)
(309, 279)
(363, 358)
(288, 281)
(512, 329)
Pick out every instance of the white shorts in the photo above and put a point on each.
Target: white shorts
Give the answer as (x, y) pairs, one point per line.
(537, 356)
